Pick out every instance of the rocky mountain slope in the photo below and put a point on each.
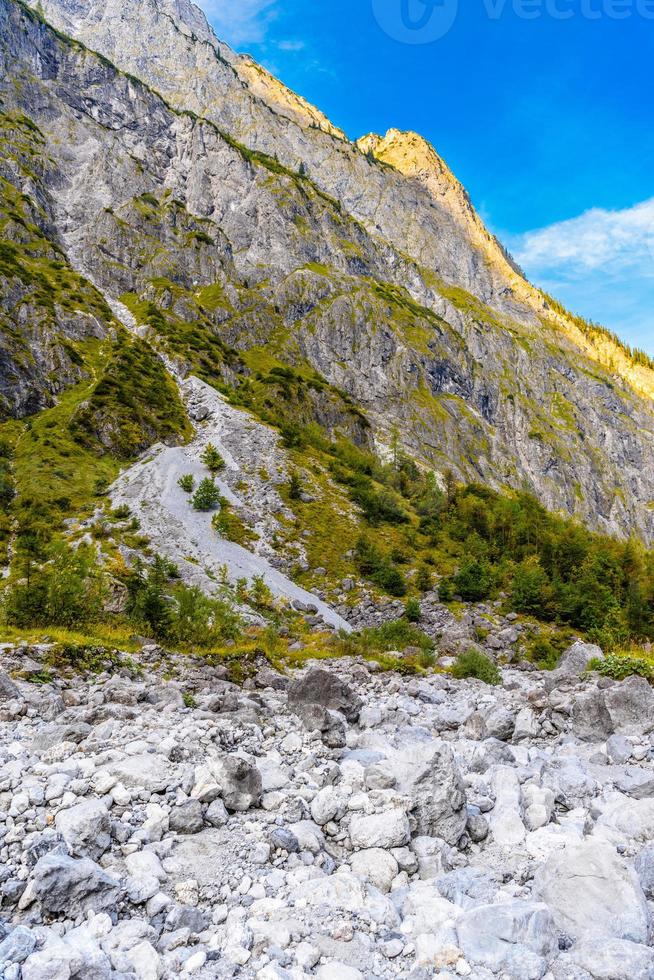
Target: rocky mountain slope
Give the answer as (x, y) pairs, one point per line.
(254, 231)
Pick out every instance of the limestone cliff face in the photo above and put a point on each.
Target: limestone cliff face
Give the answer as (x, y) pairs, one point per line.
(366, 263)
(170, 46)
(413, 201)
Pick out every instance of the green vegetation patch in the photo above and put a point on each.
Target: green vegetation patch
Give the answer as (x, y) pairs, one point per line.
(134, 404)
(473, 664)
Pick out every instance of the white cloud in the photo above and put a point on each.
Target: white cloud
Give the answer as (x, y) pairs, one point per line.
(597, 239)
(600, 264)
(240, 21)
(291, 45)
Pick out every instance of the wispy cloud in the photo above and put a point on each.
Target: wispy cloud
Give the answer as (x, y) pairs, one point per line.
(240, 22)
(600, 264)
(291, 45)
(612, 240)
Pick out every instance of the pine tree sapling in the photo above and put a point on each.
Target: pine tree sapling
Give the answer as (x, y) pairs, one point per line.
(295, 487)
(186, 483)
(412, 611)
(424, 579)
(207, 495)
(212, 459)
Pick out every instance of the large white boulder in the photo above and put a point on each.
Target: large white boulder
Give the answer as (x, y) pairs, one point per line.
(376, 866)
(593, 893)
(387, 829)
(85, 828)
(502, 935)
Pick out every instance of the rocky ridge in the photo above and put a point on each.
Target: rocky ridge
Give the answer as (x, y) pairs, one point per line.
(275, 261)
(159, 821)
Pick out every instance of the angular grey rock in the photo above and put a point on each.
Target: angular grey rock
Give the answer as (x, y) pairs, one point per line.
(575, 660)
(619, 749)
(269, 678)
(85, 828)
(187, 917)
(187, 818)
(18, 945)
(645, 870)
(591, 720)
(65, 884)
(149, 771)
(217, 814)
(432, 855)
(488, 934)
(477, 827)
(239, 781)
(8, 690)
(468, 887)
(285, 840)
(636, 782)
(527, 725)
(376, 866)
(329, 804)
(505, 818)
(631, 706)
(593, 893)
(330, 724)
(614, 959)
(78, 955)
(326, 689)
(387, 829)
(500, 723)
(427, 773)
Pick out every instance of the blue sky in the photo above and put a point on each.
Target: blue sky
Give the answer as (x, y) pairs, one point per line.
(543, 108)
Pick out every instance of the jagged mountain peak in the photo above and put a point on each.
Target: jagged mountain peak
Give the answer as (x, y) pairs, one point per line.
(408, 152)
(415, 157)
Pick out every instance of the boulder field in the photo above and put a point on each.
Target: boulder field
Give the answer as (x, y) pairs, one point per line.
(158, 821)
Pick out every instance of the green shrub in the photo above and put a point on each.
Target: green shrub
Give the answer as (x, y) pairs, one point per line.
(472, 663)
(186, 483)
(200, 620)
(149, 603)
(398, 634)
(531, 591)
(212, 459)
(294, 487)
(543, 653)
(390, 579)
(293, 435)
(424, 579)
(619, 667)
(473, 580)
(378, 567)
(68, 591)
(207, 495)
(378, 506)
(230, 526)
(412, 611)
(260, 595)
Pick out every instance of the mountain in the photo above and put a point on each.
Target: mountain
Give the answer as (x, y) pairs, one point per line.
(208, 190)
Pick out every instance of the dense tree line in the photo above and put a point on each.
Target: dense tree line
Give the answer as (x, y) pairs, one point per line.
(548, 566)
